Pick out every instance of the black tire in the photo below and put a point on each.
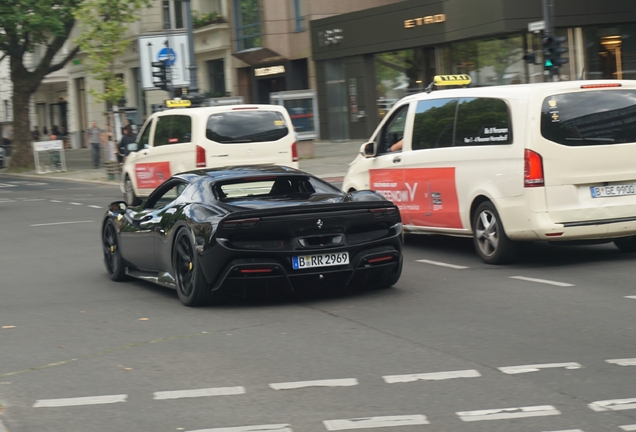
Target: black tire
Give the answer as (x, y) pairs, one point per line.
(112, 256)
(129, 193)
(491, 242)
(192, 288)
(626, 244)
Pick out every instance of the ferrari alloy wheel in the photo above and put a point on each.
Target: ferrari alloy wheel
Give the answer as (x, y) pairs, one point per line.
(191, 287)
(491, 242)
(129, 193)
(112, 257)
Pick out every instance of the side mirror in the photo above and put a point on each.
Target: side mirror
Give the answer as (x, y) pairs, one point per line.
(368, 149)
(118, 206)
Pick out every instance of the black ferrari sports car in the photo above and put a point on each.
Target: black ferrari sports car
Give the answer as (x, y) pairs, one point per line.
(253, 230)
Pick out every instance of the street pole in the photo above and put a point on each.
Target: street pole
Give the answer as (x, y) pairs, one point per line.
(194, 86)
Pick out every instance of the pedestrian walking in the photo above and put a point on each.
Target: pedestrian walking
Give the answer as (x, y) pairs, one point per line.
(127, 138)
(95, 137)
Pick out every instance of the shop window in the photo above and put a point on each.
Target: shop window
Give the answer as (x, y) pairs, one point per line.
(490, 61)
(299, 15)
(433, 124)
(482, 121)
(609, 52)
(216, 76)
(248, 26)
(173, 129)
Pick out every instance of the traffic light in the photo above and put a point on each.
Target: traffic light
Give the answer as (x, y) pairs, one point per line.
(159, 74)
(552, 52)
(531, 57)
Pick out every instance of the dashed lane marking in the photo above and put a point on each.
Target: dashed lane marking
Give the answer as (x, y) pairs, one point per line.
(55, 201)
(536, 367)
(32, 199)
(61, 223)
(77, 204)
(631, 427)
(434, 376)
(631, 297)
(90, 400)
(345, 382)
(255, 428)
(623, 362)
(569, 430)
(204, 392)
(508, 413)
(613, 405)
(94, 206)
(543, 281)
(376, 422)
(442, 264)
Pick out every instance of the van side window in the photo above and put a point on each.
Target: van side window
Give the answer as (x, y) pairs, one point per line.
(144, 137)
(393, 130)
(433, 124)
(482, 121)
(173, 129)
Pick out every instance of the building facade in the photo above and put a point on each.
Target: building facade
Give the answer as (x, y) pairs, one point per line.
(367, 60)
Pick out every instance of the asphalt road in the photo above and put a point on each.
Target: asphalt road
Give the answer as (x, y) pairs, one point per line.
(449, 348)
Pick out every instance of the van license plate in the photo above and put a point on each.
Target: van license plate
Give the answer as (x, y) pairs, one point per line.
(321, 260)
(612, 191)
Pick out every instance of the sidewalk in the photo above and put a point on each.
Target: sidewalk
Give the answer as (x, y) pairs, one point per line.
(329, 161)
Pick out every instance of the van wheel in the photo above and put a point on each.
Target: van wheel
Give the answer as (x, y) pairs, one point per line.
(626, 244)
(491, 242)
(129, 193)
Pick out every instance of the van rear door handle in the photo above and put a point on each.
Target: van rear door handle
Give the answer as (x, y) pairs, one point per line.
(397, 159)
(220, 155)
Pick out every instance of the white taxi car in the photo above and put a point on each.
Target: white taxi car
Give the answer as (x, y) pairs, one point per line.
(184, 139)
(549, 161)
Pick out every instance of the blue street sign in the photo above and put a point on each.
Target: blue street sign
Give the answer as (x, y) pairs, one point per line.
(168, 55)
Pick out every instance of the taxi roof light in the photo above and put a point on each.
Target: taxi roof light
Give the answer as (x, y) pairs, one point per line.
(449, 80)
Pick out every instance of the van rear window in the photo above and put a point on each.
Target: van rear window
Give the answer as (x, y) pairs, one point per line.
(590, 118)
(249, 126)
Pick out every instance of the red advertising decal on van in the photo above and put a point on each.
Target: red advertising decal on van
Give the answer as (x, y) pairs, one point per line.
(151, 175)
(425, 196)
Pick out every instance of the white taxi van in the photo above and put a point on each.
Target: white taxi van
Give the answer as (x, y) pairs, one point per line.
(184, 139)
(550, 161)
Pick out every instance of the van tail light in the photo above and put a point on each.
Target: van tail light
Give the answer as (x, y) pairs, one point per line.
(294, 152)
(533, 169)
(200, 157)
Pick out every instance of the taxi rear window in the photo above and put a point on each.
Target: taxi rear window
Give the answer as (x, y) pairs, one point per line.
(601, 117)
(249, 126)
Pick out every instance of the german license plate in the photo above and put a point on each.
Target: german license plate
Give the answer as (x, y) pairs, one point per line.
(612, 191)
(320, 260)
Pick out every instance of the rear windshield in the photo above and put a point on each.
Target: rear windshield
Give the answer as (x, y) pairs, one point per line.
(272, 187)
(590, 118)
(249, 126)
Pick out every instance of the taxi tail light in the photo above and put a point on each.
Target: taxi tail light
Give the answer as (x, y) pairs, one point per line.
(533, 169)
(200, 157)
(294, 152)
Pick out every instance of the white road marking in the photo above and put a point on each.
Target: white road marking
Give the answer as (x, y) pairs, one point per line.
(255, 428)
(4, 185)
(508, 413)
(94, 206)
(434, 376)
(55, 201)
(218, 391)
(6, 200)
(375, 422)
(613, 405)
(90, 400)
(441, 264)
(628, 427)
(61, 223)
(345, 382)
(33, 199)
(568, 430)
(511, 370)
(631, 297)
(623, 362)
(74, 203)
(543, 281)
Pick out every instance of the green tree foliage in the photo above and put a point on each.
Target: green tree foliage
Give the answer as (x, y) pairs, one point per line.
(104, 24)
(46, 26)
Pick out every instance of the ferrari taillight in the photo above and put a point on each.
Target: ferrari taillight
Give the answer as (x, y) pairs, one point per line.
(533, 169)
(243, 223)
(200, 157)
(294, 152)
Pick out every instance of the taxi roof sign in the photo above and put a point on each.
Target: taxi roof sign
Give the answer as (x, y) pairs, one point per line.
(178, 103)
(448, 80)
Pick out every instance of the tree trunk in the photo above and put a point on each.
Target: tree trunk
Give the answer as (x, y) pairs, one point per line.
(25, 84)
